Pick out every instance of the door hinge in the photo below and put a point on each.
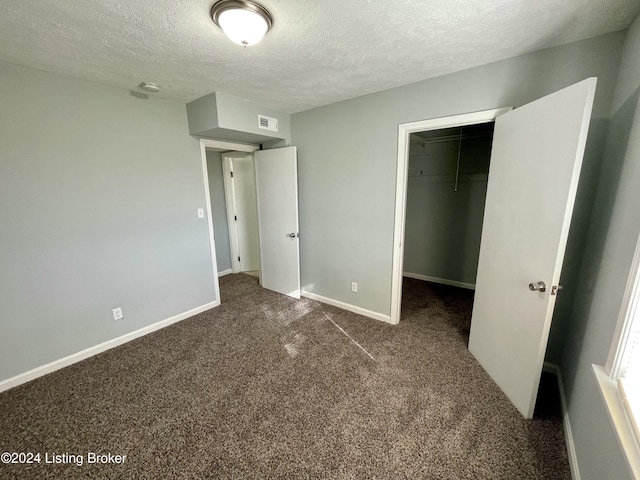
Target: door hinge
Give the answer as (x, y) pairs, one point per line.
(238, 258)
(556, 289)
(235, 217)
(231, 174)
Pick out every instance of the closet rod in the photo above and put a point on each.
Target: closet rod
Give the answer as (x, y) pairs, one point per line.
(448, 138)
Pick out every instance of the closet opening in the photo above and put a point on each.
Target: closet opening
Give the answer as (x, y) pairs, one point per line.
(441, 186)
(447, 177)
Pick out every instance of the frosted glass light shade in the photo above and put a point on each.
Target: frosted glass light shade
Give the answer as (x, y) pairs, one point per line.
(243, 27)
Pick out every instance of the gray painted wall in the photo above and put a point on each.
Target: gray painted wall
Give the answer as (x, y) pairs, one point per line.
(610, 245)
(219, 210)
(347, 159)
(444, 226)
(99, 192)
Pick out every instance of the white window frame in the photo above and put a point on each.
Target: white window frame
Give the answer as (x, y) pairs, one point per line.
(608, 376)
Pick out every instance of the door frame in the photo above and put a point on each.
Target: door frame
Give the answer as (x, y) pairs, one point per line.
(218, 146)
(404, 133)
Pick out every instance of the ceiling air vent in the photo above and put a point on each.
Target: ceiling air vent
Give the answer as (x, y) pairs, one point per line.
(267, 123)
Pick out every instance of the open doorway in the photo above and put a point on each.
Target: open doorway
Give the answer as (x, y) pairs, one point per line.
(210, 153)
(446, 190)
(232, 187)
(447, 179)
(442, 175)
(268, 194)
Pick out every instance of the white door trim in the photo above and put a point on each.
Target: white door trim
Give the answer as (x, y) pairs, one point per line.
(222, 146)
(404, 132)
(207, 201)
(630, 305)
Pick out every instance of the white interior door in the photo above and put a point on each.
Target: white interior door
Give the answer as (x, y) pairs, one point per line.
(246, 217)
(535, 166)
(277, 192)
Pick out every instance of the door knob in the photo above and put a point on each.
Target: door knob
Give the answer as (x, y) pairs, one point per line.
(293, 235)
(540, 287)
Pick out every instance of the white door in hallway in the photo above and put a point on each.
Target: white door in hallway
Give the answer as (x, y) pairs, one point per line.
(277, 194)
(246, 212)
(535, 167)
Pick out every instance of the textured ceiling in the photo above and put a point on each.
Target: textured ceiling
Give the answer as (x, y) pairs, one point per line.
(318, 52)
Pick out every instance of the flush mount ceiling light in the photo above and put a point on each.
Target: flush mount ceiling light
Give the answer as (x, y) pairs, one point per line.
(243, 21)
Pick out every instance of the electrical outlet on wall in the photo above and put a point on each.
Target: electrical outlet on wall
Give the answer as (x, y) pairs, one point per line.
(201, 213)
(354, 287)
(117, 313)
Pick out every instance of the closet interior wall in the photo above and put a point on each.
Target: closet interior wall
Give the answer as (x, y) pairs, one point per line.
(446, 192)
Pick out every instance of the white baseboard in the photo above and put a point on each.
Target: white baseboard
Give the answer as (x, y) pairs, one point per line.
(91, 351)
(443, 281)
(225, 272)
(568, 434)
(347, 306)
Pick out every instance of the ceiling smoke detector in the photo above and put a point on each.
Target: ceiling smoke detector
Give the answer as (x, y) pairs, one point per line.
(150, 87)
(243, 21)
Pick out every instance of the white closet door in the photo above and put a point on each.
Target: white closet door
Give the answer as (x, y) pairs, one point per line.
(535, 166)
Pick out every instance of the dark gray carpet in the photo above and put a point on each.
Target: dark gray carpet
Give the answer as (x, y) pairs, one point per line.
(266, 386)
